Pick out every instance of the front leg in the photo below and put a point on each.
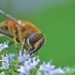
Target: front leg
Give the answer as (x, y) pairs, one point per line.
(23, 48)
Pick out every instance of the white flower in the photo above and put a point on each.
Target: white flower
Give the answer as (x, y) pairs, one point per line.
(21, 74)
(49, 69)
(23, 70)
(5, 62)
(3, 46)
(2, 73)
(11, 57)
(38, 72)
(57, 71)
(28, 64)
(46, 68)
(31, 63)
(67, 70)
(23, 56)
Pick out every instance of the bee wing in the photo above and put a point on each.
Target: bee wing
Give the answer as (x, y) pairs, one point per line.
(10, 18)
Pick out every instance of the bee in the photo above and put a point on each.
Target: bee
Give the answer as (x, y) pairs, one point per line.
(23, 32)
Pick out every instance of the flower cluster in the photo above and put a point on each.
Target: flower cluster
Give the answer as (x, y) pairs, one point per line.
(3, 46)
(27, 63)
(24, 64)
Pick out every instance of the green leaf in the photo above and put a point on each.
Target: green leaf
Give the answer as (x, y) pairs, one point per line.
(33, 71)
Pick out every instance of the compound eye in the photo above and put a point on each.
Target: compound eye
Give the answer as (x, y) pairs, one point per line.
(34, 38)
(36, 41)
(31, 38)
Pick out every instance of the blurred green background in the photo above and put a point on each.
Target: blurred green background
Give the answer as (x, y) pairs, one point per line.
(56, 19)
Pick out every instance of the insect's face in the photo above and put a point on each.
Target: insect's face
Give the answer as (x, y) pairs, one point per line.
(36, 41)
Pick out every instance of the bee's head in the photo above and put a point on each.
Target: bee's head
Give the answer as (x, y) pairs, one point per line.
(36, 41)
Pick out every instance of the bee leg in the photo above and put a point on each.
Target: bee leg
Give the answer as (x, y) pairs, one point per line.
(33, 50)
(23, 48)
